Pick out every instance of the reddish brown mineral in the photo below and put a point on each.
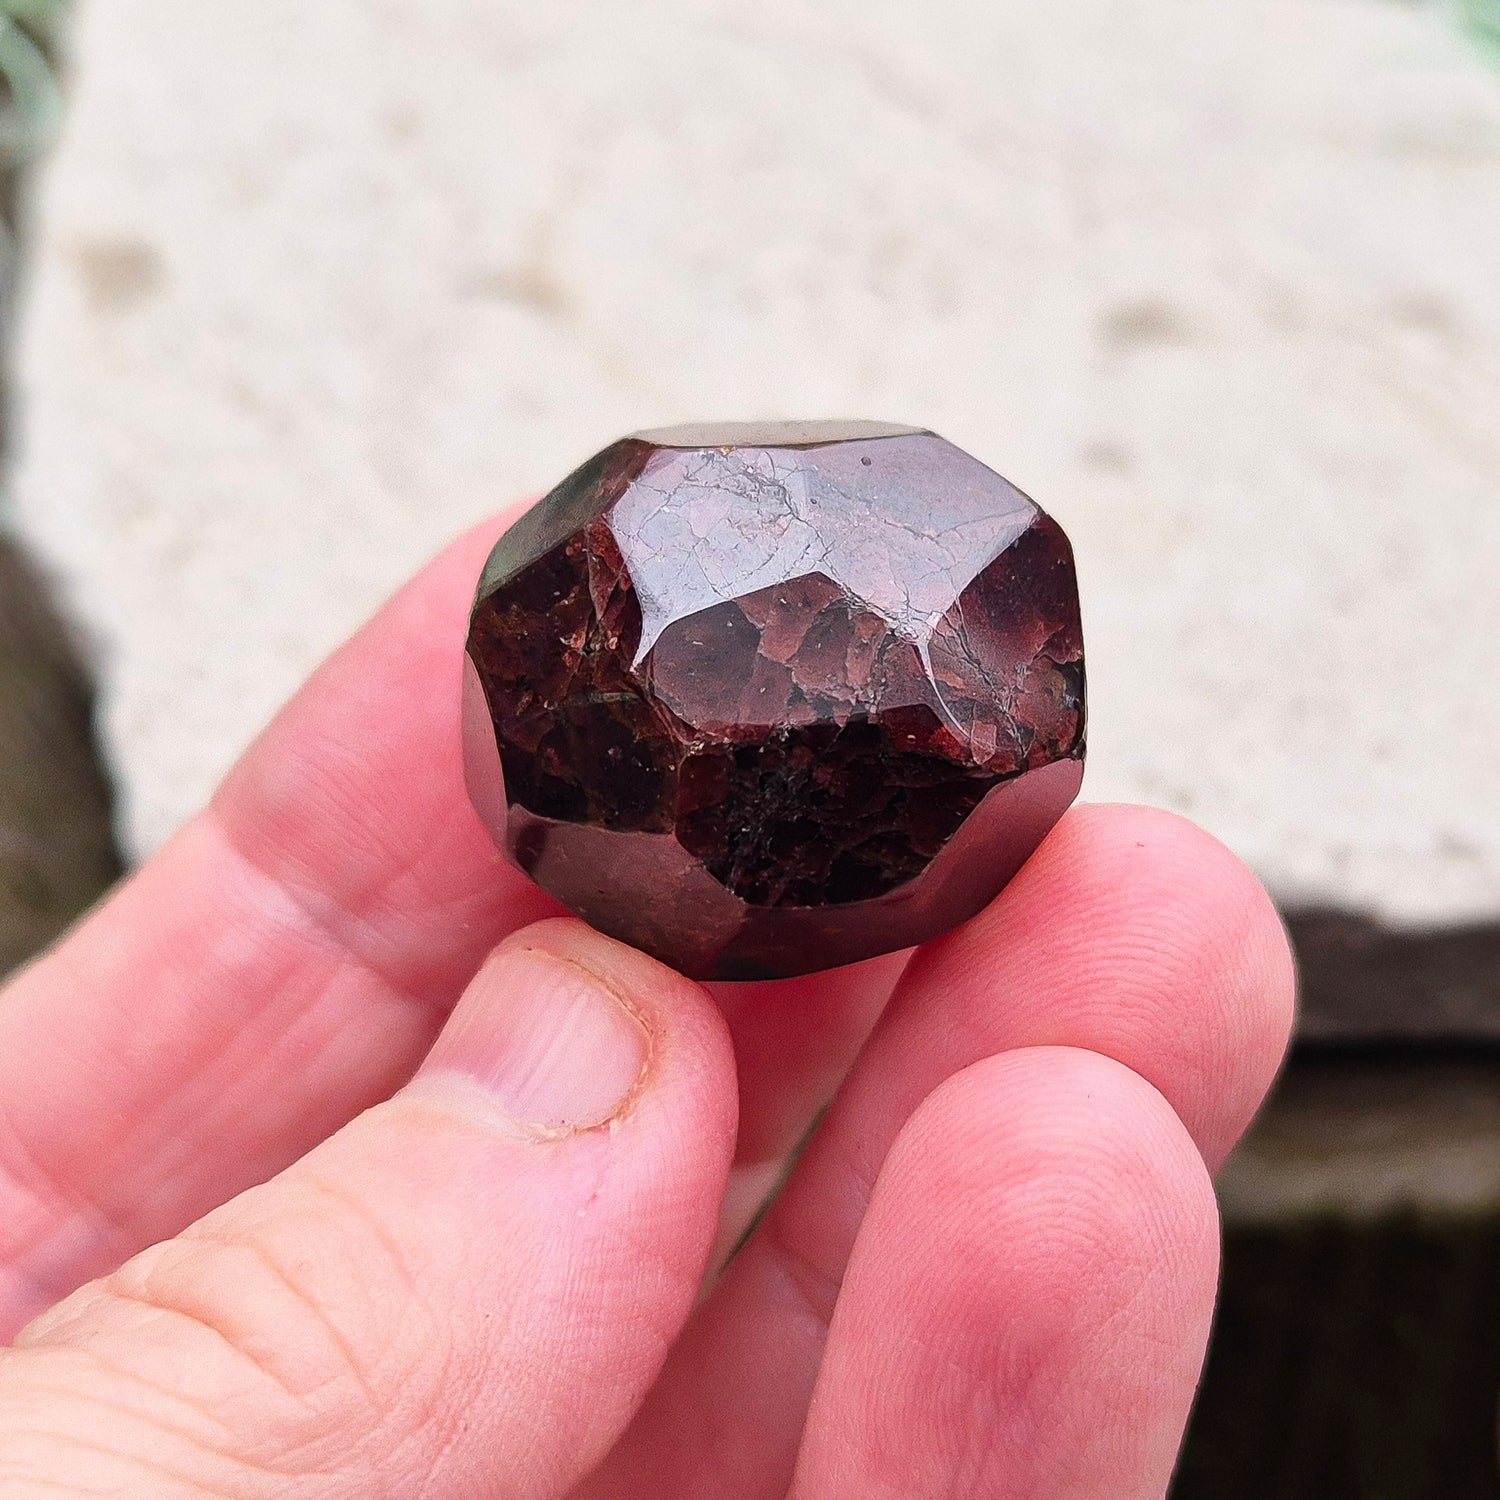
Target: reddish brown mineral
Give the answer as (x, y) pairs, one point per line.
(764, 700)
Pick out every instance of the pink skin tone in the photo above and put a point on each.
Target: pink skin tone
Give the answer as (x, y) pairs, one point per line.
(333, 1163)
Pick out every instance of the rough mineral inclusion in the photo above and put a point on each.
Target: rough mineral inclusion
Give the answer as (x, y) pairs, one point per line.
(762, 700)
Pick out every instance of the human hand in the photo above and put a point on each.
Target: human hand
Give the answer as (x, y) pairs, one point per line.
(990, 1273)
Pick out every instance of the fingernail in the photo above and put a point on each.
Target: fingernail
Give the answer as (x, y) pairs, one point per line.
(552, 1042)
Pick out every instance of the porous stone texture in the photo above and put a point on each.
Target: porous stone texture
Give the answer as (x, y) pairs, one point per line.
(316, 285)
(768, 699)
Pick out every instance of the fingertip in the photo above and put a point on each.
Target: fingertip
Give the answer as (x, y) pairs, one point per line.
(1028, 1303)
(570, 1030)
(1066, 1148)
(1205, 909)
(667, 1001)
(1147, 939)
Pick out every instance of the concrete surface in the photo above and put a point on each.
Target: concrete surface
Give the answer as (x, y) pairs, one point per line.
(317, 285)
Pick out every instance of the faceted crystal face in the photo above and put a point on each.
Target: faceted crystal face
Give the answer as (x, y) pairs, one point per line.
(765, 700)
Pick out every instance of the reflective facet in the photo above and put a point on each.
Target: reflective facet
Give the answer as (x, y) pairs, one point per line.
(763, 701)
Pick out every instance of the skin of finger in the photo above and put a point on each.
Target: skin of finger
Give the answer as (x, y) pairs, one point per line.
(1027, 1306)
(1135, 934)
(805, 1032)
(286, 961)
(437, 1300)
(222, 1013)
(794, 1041)
(1130, 933)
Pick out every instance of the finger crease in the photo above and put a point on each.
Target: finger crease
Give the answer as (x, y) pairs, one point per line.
(814, 1287)
(350, 1363)
(58, 1206)
(333, 924)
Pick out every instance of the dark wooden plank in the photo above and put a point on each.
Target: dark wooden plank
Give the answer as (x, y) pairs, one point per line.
(1357, 1349)
(1364, 982)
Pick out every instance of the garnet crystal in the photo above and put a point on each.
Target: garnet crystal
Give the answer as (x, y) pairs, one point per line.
(764, 700)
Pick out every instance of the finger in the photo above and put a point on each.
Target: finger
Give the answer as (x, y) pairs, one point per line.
(1130, 933)
(285, 962)
(465, 1292)
(794, 1040)
(281, 965)
(1027, 1304)
(1137, 935)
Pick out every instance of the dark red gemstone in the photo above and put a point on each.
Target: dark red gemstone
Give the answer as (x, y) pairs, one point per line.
(765, 700)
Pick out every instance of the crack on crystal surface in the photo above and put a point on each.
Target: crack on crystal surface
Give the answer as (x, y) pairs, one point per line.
(782, 500)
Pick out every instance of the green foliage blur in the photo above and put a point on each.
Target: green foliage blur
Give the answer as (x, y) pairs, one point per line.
(1484, 17)
(30, 99)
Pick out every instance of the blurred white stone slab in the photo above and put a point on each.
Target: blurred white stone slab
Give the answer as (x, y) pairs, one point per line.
(316, 285)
